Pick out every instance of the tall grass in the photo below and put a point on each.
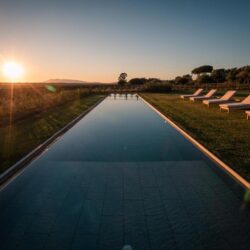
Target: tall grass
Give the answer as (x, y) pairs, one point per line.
(18, 102)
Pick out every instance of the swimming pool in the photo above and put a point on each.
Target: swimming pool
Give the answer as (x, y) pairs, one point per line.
(122, 176)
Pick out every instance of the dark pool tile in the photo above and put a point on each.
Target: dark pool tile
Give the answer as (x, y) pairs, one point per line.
(158, 223)
(114, 193)
(111, 236)
(134, 222)
(7, 222)
(194, 205)
(188, 241)
(162, 240)
(132, 181)
(14, 188)
(41, 224)
(243, 222)
(58, 195)
(58, 241)
(136, 232)
(9, 241)
(237, 239)
(137, 238)
(133, 192)
(51, 206)
(153, 206)
(151, 193)
(131, 176)
(147, 175)
(21, 208)
(98, 179)
(96, 193)
(91, 209)
(181, 225)
(88, 226)
(115, 177)
(84, 241)
(77, 191)
(178, 217)
(24, 204)
(169, 192)
(164, 181)
(31, 241)
(71, 206)
(160, 233)
(90, 218)
(113, 207)
(133, 208)
(22, 224)
(65, 223)
(134, 217)
(210, 240)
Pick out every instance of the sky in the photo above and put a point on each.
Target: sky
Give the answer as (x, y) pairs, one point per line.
(96, 40)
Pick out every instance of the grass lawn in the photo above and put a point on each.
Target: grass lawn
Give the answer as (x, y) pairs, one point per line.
(22, 137)
(226, 135)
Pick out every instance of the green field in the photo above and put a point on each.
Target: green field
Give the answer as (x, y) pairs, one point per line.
(24, 135)
(226, 135)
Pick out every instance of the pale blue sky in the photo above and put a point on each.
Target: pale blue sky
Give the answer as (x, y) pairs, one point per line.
(96, 40)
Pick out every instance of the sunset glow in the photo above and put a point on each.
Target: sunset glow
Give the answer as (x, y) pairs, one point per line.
(13, 71)
(96, 40)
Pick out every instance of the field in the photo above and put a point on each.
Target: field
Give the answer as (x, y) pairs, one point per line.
(20, 101)
(226, 135)
(34, 115)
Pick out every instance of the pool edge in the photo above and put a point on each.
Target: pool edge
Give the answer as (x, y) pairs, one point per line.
(8, 175)
(226, 168)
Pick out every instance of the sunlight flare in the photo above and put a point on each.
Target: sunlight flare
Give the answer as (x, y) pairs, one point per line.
(13, 71)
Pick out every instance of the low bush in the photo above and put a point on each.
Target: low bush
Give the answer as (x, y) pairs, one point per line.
(157, 88)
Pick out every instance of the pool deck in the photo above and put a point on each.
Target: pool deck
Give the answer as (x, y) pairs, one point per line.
(79, 204)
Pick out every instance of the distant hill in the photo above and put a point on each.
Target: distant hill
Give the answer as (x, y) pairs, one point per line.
(71, 81)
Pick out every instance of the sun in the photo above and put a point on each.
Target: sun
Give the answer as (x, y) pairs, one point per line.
(13, 71)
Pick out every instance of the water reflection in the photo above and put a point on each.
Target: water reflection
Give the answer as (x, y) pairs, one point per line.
(126, 97)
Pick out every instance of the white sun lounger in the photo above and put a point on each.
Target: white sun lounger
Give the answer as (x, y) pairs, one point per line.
(203, 97)
(224, 99)
(248, 114)
(245, 104)
(196, 93)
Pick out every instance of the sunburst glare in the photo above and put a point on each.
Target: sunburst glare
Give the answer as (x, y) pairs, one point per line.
(13, 71)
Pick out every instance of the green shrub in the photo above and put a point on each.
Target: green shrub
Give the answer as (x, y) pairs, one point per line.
(158, 88)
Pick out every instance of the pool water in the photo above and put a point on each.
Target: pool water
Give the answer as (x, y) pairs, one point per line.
(123, 130)
(122, 178)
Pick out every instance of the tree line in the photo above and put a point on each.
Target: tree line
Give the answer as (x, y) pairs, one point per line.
(144, 84)
(202, 74)
(122, 80)
(207, 74)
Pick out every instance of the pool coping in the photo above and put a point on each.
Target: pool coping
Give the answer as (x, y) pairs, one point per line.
(19, 166)
(226, 168)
